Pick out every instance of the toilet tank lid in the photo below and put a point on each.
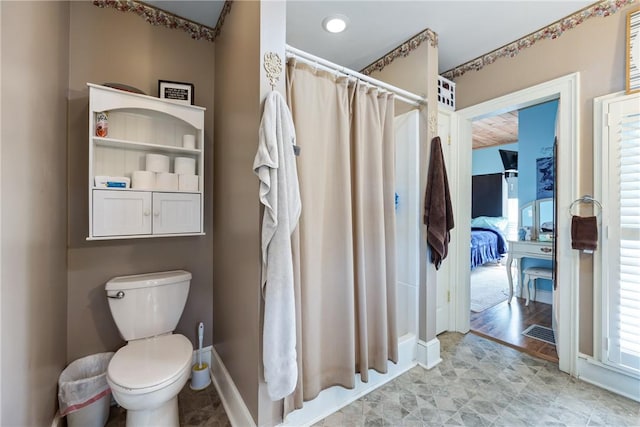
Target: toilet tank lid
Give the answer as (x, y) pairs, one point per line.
(146, 280)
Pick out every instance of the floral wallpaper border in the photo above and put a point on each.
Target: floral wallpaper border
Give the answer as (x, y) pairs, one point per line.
(552, 31)
(160, 17)
(403, 50)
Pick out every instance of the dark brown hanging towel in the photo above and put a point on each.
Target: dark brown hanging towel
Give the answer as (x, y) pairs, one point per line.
(584, 232)
(438, 213)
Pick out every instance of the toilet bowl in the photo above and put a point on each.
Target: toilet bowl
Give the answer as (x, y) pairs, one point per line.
(147, 374)
(146, 377)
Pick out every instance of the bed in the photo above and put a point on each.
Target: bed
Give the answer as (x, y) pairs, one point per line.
(487, 245)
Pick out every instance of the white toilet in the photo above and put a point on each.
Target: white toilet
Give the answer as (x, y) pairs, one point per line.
(147, 374)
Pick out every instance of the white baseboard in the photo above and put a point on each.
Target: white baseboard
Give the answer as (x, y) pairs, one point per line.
(429, 353)
(601, 375)
(335, 398)
(234, 406)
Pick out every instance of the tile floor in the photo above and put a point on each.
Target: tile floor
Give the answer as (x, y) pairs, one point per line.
(478, 383)
(197, 408)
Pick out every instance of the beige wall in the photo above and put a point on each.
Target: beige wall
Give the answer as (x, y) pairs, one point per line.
(408, 73)
(595, 48)
(34, 60)
(236, 298)
(111, 46)
(417, 73)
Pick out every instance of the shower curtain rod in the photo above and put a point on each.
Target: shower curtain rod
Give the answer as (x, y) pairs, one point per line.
(400, 94)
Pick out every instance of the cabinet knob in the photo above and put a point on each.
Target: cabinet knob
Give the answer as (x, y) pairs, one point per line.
(146, 212)
(156, 213)
(546, 250)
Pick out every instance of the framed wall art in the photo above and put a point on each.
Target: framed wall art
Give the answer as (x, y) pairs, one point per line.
(633, 51)
(544, 178)
(176, 91)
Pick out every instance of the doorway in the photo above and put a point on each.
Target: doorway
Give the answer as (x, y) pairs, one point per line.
(565, 307)
(513, 184)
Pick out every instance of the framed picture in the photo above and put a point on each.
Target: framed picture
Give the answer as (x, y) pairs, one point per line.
(633, 51)
(176, 91)
(544, 178)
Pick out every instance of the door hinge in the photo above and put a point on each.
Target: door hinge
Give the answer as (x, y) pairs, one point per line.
(609, 119)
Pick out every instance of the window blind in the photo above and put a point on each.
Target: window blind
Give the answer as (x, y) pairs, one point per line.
(622, 247)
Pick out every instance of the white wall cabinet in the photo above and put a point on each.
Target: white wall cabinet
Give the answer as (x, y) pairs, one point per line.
(124, 213)
(139, 213)
(139, 125)
(176, 213)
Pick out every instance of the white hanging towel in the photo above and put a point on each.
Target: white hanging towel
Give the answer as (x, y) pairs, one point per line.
(275, 166)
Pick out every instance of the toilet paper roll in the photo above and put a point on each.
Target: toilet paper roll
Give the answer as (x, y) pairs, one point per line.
(167, 181)
(157, 163)
(184, 166)
(188, 183)
(143, 180)
(189, 141)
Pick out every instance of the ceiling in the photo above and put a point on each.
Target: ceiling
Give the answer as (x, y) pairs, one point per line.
(495, 130)
(466, 29)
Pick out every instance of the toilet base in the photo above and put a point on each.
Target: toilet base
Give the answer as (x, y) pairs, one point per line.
(165, 416)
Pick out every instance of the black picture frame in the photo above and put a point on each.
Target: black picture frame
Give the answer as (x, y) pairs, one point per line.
(544, 178)
(181, 92)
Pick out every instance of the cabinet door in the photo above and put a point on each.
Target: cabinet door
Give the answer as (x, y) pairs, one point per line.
(121, 213)
(176, 213)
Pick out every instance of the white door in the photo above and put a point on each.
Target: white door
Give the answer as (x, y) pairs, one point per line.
(121, 213)
(176, 213)
(408, 221)
(443, 292)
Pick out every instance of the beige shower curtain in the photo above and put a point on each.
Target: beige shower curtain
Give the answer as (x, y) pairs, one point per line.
(344, 247)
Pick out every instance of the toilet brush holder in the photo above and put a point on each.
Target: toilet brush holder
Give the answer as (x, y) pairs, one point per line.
(200, 378)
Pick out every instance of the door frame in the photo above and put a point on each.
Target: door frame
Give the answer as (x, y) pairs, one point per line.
(566, 89)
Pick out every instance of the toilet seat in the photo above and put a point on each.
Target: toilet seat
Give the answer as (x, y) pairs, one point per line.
(150, 364)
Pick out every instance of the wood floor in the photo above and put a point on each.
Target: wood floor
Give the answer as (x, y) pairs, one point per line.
(505, 322)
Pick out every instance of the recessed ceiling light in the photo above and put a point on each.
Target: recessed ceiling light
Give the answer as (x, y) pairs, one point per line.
(335, 23)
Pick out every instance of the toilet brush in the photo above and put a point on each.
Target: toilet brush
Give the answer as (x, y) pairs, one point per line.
(200, 378)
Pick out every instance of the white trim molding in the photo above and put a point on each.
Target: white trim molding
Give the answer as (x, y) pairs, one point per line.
(234, 406)
(607, 377)
(566, 89)
(334, 398)
(429, 353)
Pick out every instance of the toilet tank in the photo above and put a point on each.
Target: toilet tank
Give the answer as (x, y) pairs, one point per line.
(146, 305)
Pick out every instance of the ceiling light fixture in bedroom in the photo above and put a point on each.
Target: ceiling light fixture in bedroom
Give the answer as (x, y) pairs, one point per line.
(335, 23)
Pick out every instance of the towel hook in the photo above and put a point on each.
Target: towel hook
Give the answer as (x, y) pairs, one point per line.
(273, 67)
(585, 199)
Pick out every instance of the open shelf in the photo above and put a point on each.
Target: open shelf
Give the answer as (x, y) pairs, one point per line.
(122, 143)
